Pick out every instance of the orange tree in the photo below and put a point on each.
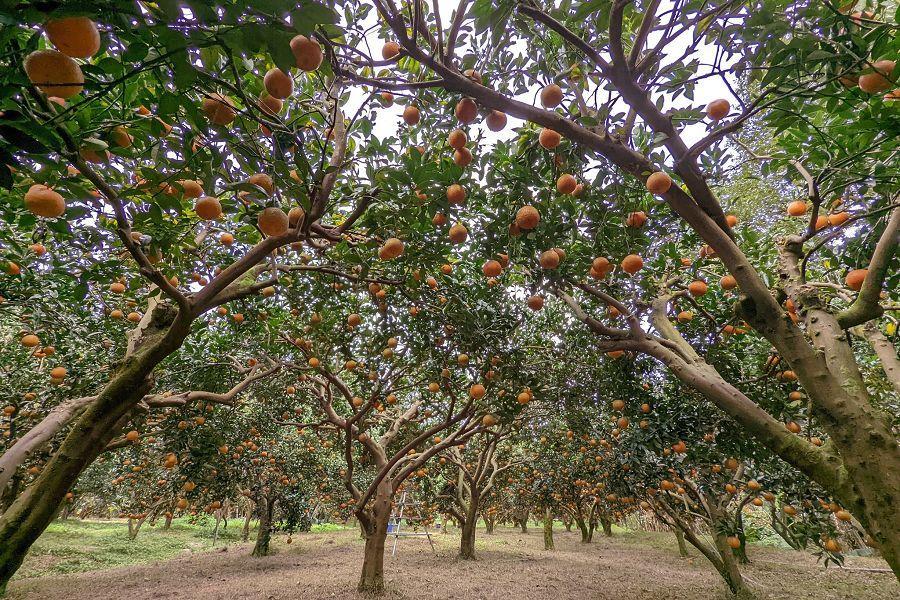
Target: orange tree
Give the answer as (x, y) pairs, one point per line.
(618, 138)
(475, 470)
(396, 373)
(164, 156)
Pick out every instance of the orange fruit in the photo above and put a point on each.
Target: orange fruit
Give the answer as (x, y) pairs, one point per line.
(264, 181)
(492, 268)
(718, 109)
(390, 50)
(457, 139)
(536, 302)
(685, 316)
(697, 287)
(54, 73)
(77, 37)
(30, 340)
(270, 105)
(549, 259)
(527, 217)
(456, 194)
(659, 183)
(728, 282)
(120, 136)
(636, 219)
(208, 208)
(273, 221)
(58, 372)
(549, 139)
(278, 83)
(218, 109)
(731, 220)
(797, 208)
(458, 233)
(466, 110)
(462, 157)
(44, 202)
(878, 80)
(307, 53)
(391, 249)
(632, 263)
(411, 115)
(477, 391)
(855, 279)
(551, 96)
(838, 219)
(496, 120)
(566, 184)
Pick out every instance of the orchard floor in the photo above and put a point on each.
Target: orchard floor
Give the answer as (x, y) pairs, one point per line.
(511, 566)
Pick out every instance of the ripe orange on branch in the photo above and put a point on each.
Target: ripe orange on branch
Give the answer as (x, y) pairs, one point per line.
(307, 53)
(44, 202)
(54, 73)
(77, 37)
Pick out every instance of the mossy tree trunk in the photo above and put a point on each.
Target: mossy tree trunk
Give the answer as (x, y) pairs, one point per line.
(375, 520)
(266, 508)
(548, 529)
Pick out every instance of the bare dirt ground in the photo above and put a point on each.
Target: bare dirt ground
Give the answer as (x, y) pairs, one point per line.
(511, 566)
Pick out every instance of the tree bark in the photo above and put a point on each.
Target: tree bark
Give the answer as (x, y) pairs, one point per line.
(245, 531)
(682, 548)
(469, 527)
(375, 520)
(28, 517)
(607, 526)
(583, 528)
(548, 529)
(266, 508)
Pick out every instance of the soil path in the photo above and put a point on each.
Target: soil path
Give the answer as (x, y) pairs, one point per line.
(511, 566)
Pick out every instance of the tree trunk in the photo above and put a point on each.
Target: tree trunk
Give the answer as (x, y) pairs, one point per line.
(682, 548)
(740, 552)
(469, 527)
(607, 526)
(489, 523)
(245, 531)
(523, 522)
(168, 524)
(548, 529)
(723, 560)
(376, 521)
(28, 517)
(266, 507)
(583, 528)
(729, 569)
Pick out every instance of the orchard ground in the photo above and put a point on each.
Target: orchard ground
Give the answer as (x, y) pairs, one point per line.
(324, 564)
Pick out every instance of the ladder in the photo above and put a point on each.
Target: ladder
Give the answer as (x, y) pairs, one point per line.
(411, 517)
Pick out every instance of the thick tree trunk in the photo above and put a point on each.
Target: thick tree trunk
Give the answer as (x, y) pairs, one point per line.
(469, 527)
(729, 569)
(523, 522)
(548, 529)
(583, 528)
(723, 560)
(682, 548)
(376, 521)
(266, 507)
(9, 494)
(28, 517)
(168, 524)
